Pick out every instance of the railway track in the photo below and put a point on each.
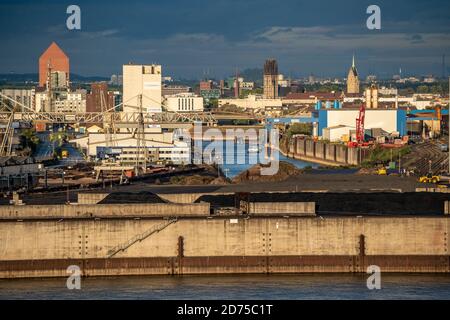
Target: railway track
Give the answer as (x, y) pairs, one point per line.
(425, 157)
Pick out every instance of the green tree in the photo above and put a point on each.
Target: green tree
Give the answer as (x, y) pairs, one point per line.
(29, 140)
(299, 128)
(422, 89)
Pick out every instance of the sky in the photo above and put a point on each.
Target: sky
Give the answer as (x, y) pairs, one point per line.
(195, 38)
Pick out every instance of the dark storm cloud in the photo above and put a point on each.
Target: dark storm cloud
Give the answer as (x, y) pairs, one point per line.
(188, 37)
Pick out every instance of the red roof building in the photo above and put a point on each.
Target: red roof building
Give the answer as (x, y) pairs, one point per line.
(54, 58)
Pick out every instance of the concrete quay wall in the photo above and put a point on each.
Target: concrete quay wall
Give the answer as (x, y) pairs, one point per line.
(283, 208)
(64, 211)
(323, 153)
(31, 248)
(94, 198)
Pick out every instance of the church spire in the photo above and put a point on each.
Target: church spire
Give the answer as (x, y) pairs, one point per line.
(352, 78)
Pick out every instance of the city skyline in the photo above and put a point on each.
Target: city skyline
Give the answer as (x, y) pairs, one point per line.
(304, 39)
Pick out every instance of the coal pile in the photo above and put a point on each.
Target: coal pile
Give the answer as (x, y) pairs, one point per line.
(130, 197)
(380, 203)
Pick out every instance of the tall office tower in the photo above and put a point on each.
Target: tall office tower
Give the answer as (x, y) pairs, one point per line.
(271, 79)
(352, 79)
(99, 99)
(53, 59)
(142, 80)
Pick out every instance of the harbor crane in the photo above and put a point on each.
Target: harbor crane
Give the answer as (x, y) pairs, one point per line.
(360, 133)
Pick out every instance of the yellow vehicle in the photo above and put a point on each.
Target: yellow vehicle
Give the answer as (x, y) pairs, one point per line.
(64, 154)
(382, 171)
(429, 178)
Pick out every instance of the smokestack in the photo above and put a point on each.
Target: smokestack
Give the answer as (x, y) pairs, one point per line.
(236, 85)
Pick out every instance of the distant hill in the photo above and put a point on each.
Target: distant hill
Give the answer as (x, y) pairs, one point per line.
(18, 77)
(33, 77)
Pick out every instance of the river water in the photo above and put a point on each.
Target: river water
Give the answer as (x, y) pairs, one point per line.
(240, 287)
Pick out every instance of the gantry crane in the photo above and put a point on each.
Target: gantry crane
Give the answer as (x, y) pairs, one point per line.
(108, 117)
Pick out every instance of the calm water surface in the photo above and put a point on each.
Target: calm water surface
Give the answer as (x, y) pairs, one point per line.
(305, 286)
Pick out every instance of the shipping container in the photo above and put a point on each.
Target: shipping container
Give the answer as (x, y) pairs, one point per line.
(129, 173)
(40, 126)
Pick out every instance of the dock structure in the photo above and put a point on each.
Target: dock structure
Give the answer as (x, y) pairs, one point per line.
(203, 234)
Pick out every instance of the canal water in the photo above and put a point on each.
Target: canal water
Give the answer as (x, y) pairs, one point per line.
(240, 287)
(244, 156)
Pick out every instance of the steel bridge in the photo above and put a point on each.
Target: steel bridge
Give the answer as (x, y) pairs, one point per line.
(107, 117)
(110, 119)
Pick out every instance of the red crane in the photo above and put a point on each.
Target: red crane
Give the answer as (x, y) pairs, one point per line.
(360, 125)
(360, 141)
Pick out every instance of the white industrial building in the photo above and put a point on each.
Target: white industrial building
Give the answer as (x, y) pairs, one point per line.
(336, 133)
(73, 102)
(389, 120)
(252, 102)
(23, 96)
(247, 85)
(69, 102)
(144, 80)
(162, 146)
(184, 102)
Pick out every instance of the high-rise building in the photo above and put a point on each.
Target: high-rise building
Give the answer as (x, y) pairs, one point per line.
(271, 79)
(236, 88)
(70, 102)
(352, 79)
(145, 81)
(99, 99)
(53, 59)
(58, 80)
